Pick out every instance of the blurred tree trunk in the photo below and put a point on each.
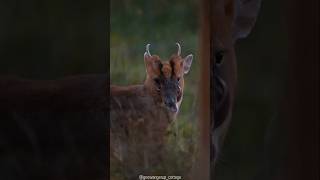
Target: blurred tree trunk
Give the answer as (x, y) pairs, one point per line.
(202, 168)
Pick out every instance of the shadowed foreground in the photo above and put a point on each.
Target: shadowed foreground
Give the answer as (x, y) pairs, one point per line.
(53, 129)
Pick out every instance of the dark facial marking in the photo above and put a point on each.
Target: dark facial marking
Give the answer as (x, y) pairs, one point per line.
(168, 86)
(172, 67)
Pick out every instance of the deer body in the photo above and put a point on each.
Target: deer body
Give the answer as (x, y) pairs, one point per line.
(141, 114)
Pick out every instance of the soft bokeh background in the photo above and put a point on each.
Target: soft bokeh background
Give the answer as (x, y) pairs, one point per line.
(161, 23)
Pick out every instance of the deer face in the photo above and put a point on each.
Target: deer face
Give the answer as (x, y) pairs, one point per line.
(165, 78)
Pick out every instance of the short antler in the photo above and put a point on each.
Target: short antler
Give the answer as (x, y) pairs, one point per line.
(147, 49)
(179, 49)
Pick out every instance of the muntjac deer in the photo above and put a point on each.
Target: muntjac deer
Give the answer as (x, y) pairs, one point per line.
(141, 114)
(233, 20)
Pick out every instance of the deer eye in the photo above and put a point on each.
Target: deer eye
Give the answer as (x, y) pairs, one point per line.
(157, 81)
(219, 56)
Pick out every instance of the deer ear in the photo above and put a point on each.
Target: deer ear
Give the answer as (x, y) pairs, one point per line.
(148, 62)
(246, 12)
(151, 63)
(187, 61)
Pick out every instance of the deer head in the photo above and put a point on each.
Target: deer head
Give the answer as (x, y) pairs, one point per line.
(165, 79)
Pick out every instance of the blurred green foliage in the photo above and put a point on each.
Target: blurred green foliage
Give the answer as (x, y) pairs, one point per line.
(161, 23)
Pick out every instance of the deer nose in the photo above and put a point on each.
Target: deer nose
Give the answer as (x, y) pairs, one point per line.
(171, 104)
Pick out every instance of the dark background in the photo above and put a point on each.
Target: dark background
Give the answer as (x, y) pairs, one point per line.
(47, 133)
(255, 143)
(274, 132)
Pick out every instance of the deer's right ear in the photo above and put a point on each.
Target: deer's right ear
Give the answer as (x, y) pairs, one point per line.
(150, 63)
(147, 62)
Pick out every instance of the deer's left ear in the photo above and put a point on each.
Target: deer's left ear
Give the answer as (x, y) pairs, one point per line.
(187, 61)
